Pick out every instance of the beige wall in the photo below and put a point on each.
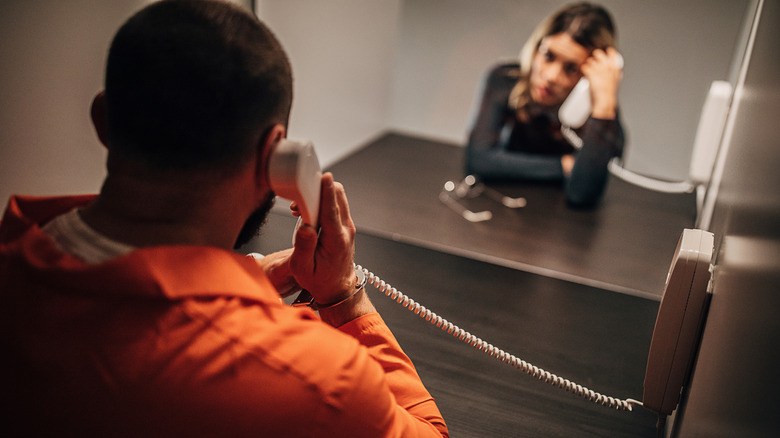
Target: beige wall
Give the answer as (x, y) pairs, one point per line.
(342, 57)
(673, 50)
(361, 67)
(53, 54)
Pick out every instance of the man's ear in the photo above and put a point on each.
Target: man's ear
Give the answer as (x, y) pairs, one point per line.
(266, 145)
(98, 114)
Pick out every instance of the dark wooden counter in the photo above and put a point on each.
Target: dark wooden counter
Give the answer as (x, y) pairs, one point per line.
(593, 337)
(624, 245)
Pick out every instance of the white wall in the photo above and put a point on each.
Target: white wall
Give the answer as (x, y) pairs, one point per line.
(415, 65)
(341, 54)
(53, 53)
(360, 68)
(672, 51)
(53, 59)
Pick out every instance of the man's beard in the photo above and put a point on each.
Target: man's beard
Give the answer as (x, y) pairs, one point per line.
(255, 221)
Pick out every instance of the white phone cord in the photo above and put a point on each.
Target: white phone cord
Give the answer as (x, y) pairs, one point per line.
(468, 338)
(616, 168)
(572, 137)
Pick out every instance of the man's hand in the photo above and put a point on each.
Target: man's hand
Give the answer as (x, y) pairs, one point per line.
(277, 268)
(324, 265)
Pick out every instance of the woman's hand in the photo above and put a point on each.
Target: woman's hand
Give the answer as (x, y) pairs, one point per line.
(567, 164)
(604, 73)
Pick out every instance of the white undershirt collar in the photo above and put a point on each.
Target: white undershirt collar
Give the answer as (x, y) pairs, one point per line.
(73, 236)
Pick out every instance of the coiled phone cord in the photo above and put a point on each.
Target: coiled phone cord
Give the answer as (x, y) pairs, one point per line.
(497, 353)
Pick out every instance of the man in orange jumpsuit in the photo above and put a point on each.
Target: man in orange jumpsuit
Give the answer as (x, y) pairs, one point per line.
(129, 314)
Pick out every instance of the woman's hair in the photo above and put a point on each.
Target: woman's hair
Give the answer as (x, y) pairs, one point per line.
(190, 83)
(587, 24)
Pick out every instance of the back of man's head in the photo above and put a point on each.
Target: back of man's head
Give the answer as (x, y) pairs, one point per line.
(191, 83)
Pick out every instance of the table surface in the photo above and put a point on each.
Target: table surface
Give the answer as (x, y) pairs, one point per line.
(538, 282)
(596, 338)
(625, 245)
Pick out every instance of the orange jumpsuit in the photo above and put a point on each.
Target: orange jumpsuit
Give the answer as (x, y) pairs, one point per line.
(185, 340)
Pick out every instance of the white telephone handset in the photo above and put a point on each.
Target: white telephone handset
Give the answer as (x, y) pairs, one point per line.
(294, 173)
(574, 111)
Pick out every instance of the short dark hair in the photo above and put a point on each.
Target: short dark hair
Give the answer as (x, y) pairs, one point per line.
(190, 83)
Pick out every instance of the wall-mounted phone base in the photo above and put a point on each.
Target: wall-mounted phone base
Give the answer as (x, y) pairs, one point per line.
(678, 325)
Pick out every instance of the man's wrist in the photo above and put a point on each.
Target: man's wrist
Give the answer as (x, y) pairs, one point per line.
(360, 284)
(355, 307)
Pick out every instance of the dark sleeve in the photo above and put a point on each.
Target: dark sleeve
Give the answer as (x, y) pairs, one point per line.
(602, 140)
(486, 152)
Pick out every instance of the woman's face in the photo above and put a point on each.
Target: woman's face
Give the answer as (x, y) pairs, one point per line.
(556, 69)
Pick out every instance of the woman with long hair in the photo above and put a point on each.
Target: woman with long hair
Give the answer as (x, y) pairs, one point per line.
(517, 134)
